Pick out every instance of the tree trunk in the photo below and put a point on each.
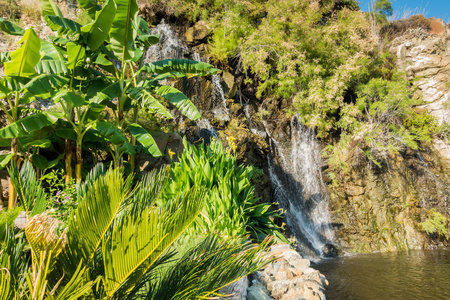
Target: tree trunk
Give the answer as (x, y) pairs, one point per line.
(79, 164)
(12, 193)
(68, 151)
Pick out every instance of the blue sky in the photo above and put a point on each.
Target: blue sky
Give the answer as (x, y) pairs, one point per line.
(430, 8)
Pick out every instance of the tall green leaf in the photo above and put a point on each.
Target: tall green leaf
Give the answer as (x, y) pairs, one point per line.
(63, 25)
(29, 124)
(113, 134)
(90, 6)
(25, 58)
(49, 8)
(95, 215)
(75, 55)
(45, 83)
(146, 100)
(180, 100)
(122, 31)
(53, 61)
(10, 28)
(29, 189)
(145, 138)
(184, 67)
(99, 29)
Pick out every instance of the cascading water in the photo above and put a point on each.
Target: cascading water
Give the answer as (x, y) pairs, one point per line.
(206, 131)
(300, 190)
(169, 46)
(220, 109)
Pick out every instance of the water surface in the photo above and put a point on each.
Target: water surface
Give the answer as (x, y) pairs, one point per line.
(379, 276)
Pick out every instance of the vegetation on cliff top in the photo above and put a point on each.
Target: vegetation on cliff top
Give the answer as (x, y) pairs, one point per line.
(326, 57)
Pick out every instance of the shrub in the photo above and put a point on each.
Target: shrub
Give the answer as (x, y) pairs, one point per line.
(399, 27)
(435, 223)
(231, 208)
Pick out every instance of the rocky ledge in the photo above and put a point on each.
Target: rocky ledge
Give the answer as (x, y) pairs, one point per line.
(287, 277)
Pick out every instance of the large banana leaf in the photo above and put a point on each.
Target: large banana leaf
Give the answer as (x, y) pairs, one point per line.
(63, 25)
(10, 28)
(45, 83)
(29, 124)
(180, 100)
(148, 101)
(122, 31)
(145, 138)
(53, 61)
(184, 67)
(138, 241)
(49, 8)
(90, 6)
(113, 134)
(25, 58)
(75, 55)
(98, 31)
(70, 97)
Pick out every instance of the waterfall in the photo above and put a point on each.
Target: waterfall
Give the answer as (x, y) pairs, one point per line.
(206, 131)
(220, 109)
(300, 190)
(169, 46)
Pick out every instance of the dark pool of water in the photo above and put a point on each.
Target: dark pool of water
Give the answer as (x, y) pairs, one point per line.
(380, 276)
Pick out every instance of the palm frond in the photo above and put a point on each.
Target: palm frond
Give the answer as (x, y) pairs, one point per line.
(94, 174)
(42, 234)
(147, 192)
(206, 268)
(129, 253)
(13, 265)
(29, 189)
(94, 216)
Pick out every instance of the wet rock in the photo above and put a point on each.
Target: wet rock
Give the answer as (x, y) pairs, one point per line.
(257, 293)
(290, 276)
(330, 250)
(229, 84)
(237, 290)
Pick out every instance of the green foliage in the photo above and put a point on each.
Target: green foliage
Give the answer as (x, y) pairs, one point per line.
(116, 244)
(63, 200)
(7, 217)
(231, 207)
(435, 223)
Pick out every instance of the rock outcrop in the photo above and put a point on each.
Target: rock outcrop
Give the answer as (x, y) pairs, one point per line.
(425, 57)
(288, 277)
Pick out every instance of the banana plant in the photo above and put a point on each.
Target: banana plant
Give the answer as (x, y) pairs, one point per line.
(130, 84)
(19, 87)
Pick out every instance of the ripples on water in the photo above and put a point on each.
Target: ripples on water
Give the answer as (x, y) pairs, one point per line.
(405, 276)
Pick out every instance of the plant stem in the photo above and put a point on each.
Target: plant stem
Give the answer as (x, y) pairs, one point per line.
(79, 164)
(12, 195)
(68, 151)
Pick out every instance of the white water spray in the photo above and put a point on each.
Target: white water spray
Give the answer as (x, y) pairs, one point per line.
(300, 190)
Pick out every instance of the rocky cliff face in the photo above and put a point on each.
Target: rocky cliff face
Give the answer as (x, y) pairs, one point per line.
(425, 57)
(380, 208)
(373, 208)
